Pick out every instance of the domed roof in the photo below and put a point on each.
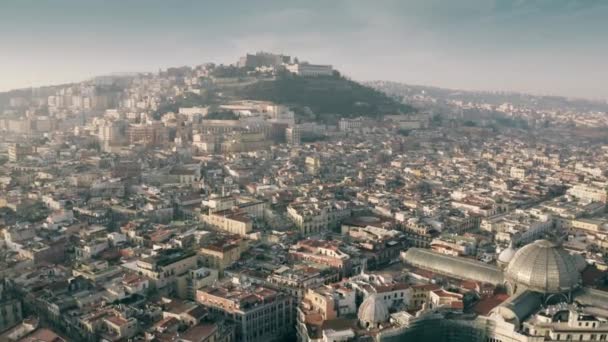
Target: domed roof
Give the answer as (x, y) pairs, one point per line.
(580, 262)
(373, 311)
(506, 255)
(545, 267)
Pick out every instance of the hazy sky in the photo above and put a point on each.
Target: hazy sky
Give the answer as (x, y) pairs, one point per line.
(540, 46)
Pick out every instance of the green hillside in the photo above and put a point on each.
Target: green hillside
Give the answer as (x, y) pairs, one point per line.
(328, 97)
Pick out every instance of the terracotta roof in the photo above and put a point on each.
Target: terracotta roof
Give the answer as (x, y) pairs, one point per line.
(198, 312)
(484, 306)
(457, 305)
(42, 335)
(444, 293)
(167, 322)
(428, 287)
(591, 276)
(391, 287)
(470, 285)
(117, 320)
(199, 332)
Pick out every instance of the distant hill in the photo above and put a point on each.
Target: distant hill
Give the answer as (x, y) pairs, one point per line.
(26, 92)
(329, 98)
(323, 99)
(412, 93)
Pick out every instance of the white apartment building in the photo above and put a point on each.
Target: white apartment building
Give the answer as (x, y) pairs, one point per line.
(310, 70)
(588, 192)
(311, 218)
(518, 173)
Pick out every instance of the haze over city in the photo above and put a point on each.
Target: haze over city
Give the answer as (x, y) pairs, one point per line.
(541, 46)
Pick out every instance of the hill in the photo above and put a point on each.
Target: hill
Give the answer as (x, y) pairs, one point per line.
(329, 98)
(426, 94)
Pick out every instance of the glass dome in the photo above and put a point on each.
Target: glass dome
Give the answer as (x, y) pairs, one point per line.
(545, 267)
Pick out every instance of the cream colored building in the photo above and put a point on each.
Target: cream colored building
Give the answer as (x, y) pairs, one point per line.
(219, 256)
(164, 268)
(189, 283)
(119, 328)
(235, 222)
(313, 218)
(517, 173)
(588, 192)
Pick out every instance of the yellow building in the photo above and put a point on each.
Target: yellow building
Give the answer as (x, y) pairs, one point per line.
(587, 224)
(222, 254)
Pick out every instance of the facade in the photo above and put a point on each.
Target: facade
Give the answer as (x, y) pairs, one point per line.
(17, 152)
(10, 313)
(164, 268)
(244, 142)
(329, 302)
(293, 135)
(221, 255)
(260, 314)
(418, 234)
(518, 173)
(314, 218)
(262, 59)
(348, 125)
(588, 192)
(152, 134)
(119, 328)
(310, 70)
(235, 222)
(189, 283)
(113, 133)
(322, 252)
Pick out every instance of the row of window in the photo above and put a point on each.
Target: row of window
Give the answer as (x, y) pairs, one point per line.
(581, 337)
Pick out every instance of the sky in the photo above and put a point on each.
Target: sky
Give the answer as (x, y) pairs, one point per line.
(556, 47)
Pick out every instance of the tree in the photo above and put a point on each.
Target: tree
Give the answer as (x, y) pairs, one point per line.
(404, 132)
(330, 97)
(437, 119)
(222, 115)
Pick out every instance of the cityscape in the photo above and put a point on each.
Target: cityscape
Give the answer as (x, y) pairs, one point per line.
(275, 197)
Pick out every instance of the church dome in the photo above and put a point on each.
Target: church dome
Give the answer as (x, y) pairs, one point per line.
(506, 255)
(545, 267)
(372, 312)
